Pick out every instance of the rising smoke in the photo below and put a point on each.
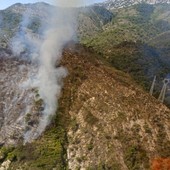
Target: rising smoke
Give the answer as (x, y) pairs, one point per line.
(24, 40)
(48, 51)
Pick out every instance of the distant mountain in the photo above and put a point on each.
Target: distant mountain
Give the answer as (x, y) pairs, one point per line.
(105, 120)
(106, 30)
(90, 19)
(111, 4)
(137, 42)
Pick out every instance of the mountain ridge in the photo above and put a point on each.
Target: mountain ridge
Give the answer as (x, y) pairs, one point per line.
(105, 120)
(136, 41)
(113, 4)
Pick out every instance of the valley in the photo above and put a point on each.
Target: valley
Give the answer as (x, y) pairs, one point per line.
(105, 118)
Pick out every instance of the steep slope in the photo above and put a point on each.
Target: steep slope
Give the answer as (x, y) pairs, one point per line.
(90, 19)
(141, 61)
(104, 121)
(140, 22)
(136, 41)
(161, 41)
(15, 100)
(21, 106)
(116, 124)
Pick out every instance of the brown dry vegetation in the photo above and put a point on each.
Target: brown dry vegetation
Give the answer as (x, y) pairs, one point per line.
(161, 164)
(104, 121)
(114, 123)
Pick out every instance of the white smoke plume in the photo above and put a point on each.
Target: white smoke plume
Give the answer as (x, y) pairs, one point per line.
(60, 30)
(24, 39)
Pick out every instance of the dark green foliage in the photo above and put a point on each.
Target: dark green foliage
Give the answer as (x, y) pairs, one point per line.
(90, 146)
(6, 153)
(90, 118)
(98, 14)
(39, 102)
(141, 61)
(162, 25)
(105, 15)
(35, 25)
(91, 20)
(145, 10)
(74, 125)
(10, 19)
(144, 14)
(46, 153)
(147, 129)
(163, 144)
(135, 156)
(124, 43)
(28, 117)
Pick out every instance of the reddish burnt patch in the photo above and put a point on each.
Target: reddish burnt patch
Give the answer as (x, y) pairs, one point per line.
(160, 164)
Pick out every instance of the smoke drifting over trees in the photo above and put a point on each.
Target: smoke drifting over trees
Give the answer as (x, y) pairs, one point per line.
(46, 51)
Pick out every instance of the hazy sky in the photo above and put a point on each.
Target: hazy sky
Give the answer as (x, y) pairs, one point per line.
(6, 3)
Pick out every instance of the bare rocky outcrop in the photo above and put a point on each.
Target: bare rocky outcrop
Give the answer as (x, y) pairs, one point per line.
(5, 165)
(111, 123)
(19, 105)
(113, 4)
(115, 123)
